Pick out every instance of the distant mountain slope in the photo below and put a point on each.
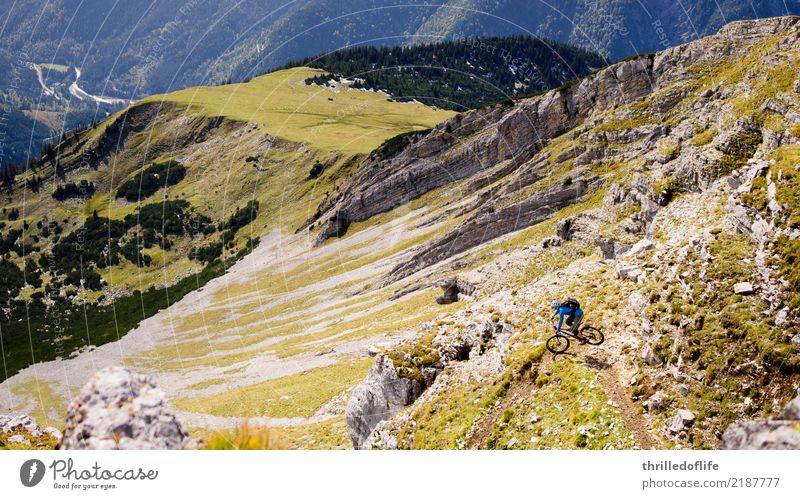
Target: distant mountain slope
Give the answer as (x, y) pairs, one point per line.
(125, 218)
(140, 47)
(460, 74)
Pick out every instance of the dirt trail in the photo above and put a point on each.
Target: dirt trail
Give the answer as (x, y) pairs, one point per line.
(611, 376)
(516, 393)
(617, 392)
(614, 376)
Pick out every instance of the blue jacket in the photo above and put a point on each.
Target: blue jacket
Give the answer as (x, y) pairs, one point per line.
(564, 311)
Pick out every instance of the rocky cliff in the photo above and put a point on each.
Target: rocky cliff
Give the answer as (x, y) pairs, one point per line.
(661, 193)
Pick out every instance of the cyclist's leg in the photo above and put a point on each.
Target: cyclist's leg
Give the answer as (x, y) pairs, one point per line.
(577, 321)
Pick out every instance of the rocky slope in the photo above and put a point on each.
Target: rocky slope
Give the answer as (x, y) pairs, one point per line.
(667, 187)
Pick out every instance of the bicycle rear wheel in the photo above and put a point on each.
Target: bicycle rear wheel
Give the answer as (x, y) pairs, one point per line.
(558, 343)
(592, 335)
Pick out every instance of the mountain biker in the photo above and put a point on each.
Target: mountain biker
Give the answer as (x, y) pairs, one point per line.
(571, 309)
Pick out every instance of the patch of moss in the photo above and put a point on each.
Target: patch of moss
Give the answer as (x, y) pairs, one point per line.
(741, 148)
(705, 137)
(410, 358)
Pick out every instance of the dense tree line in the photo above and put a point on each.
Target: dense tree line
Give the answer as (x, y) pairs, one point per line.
(459, 74)
(71, 190)
(145, 183)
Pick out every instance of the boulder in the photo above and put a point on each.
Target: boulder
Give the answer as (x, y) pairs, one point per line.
(10, 424)
(782, 317)
(637, 302)
(18, 439)
(656, 402)
(564, 229)
(382, 394)
(452, 288)
(630, 272)
(118, 409)
(771, 434)
(53, 432)
(642, 246)
(796, 341)
(611, 248)
(743, 288)
(551, 242)
(616, 195)
(792, 410)
(683, 419)
(649, 357)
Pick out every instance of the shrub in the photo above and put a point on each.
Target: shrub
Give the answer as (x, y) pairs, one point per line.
(316, 170)
(151, 179)
(173, 217)
(206, 253)
(87, 278)
(11, 279)
(71, 190)
(96, 242)
(133, 252)
(394, 145)
(240, 218)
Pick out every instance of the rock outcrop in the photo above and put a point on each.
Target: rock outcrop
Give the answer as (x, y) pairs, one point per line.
(9, 424)
(398, 378)
(452, 289)
(382, 393)
(118, 409)
(781, 433)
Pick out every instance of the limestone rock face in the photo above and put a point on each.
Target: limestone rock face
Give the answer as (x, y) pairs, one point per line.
(118, 409)
(9, 424)
(382, 393)
(771, 434)
(388, 388)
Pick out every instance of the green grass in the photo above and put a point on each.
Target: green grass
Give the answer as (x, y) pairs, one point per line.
(47, 402)
(243, 437)
(444, 422)
(719, 334)
(348, 121)
(298, 395)
(566, 399)
(705, 137)
(59, 68)
(330, 434)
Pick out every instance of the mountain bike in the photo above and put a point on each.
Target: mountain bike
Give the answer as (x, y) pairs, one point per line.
(559, 342)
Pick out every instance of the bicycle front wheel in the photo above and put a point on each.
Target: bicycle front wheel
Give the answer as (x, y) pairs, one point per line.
(558, 344)
(592, 335)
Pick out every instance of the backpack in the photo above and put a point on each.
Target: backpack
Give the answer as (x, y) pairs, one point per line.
(572, 303)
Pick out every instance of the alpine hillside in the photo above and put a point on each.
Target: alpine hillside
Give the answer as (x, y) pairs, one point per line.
(361, 272)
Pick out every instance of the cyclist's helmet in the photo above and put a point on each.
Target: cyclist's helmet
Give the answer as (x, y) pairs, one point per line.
(555, 304)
